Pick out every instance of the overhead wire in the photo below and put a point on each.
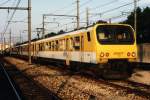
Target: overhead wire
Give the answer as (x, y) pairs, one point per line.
(70, 11)
(5, 2)
(100, 6)
(83, 4)
(59, 18)
(116, 8)
(110, 10)
(14, 2)
(105, 4)
(7, 25)
(60, 9)
(113, 9)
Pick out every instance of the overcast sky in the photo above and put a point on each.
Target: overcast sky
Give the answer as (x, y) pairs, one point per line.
(67, 7)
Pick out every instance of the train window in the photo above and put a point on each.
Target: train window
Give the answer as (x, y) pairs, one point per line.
(52, 46)
(43, 47)
(88, 36)
(46, 46)
(71, 44)
(77, 43)
(49, 45)
(67, 44)
(60, 45)
(39, 47)
(33, 48)
(56, 45)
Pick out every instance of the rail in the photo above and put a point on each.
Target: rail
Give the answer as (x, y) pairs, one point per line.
(10, 82)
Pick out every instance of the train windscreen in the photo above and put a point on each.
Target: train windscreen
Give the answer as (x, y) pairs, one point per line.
(115, 34)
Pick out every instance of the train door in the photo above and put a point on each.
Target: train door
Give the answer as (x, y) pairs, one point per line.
(82, 49)
(67, 52)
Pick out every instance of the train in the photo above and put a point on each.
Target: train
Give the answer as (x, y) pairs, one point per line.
(102, 46)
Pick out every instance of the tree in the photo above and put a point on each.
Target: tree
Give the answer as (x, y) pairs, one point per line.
(143, 24)
(61, 32)
(50, 34)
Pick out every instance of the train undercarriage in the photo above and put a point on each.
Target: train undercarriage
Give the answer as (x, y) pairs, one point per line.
(114, 69)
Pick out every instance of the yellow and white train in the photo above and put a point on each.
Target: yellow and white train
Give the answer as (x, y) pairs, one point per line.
(96, 45)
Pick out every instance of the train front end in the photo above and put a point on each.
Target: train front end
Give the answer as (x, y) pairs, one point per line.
(115, 42)
(115, 49)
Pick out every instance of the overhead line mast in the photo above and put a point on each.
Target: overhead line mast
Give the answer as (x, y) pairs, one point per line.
(78, 15)
(29, 24)
(87, 16)
(135, 15)
(29, 30)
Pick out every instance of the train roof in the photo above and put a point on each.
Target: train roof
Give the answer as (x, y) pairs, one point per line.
(83, 29)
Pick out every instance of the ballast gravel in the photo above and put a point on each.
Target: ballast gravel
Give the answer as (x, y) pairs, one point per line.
(69, 86)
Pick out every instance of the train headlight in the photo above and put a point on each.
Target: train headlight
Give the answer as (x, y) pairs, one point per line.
(133, 54)
(128, 54)
(107, 54)
(102, 54)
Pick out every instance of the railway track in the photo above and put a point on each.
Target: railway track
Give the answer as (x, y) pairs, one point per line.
(31, 89)
(116, 88)
(134, 85)
(8, 89)
(128, 86)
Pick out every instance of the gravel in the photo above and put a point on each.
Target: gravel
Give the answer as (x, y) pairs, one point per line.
(70, 86)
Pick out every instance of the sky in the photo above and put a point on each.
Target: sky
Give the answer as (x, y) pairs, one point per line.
(98, 10)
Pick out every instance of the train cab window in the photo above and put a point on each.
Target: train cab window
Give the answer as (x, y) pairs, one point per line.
(115, 34)
(77, 43)
(88, 36)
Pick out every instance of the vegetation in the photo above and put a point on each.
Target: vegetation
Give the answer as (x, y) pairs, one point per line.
(143, 24)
